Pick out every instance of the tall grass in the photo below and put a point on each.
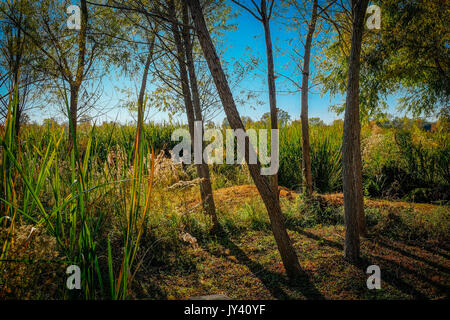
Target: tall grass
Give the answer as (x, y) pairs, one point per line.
(326, 143)
(408, 163)
(9, 176)
(68, 217)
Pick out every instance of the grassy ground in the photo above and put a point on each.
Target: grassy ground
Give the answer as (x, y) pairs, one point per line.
(179, 257)
(246, 265)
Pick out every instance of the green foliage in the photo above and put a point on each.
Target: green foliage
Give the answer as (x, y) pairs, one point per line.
(310, 213)
(410, 225)
(326, 162)
(420, 64)
(68, 215)
(407, 163)
(283, 118)
(398, 59)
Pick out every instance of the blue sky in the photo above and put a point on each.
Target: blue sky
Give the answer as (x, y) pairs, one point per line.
(249, 34)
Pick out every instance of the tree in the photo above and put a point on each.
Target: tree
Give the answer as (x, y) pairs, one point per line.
(306, 148)
(178, 89)
(413, 52)
(407, 57)
(283, 117)
(351, 147)
(16, 56)
(77, 79)
(270, 200)
(316, 121)
(140, 101)
(301, 15)
(191, 99)
(263, 13)
(69, 56)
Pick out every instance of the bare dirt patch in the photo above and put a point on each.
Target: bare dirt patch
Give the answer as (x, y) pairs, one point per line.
(237, 195)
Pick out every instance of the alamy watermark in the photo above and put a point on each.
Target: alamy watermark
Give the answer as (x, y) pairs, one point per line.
(374, 20)
(74, 280)
(374, 281)
(74, 19)
(213, 153)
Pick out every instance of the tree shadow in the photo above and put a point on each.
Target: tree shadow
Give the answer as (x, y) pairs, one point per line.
(437, 252)
(150, 289)
(411, 255)
(395, 266)
(388, 275)
(272, 281)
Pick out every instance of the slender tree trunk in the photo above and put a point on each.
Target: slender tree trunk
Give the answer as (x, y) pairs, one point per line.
(76, 84)
(282, 239)
(16, 70)
(140, 101)
(271, 83)
(73, 111)
(18, 120)
(203, 169)
(205, 189)
(351, 149)
(17, 52)
(306, 148)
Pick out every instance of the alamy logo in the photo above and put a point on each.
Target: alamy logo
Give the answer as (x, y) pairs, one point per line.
(214, 152)
(374, 20)
(74, 19)
(374, 281)
(74, 280)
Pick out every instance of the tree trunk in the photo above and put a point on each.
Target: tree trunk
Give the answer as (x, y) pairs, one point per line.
(306, 148)
(282, 239)
(351, 149)
(140, 101)
(73, 112)
(18, 120)
(207, 199)
(203, 169)
(76, 84)
(19, 105)
(16, 55)
(271, 84)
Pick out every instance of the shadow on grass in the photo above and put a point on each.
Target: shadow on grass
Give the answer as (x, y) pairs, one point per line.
(437, 250)
(389, 271)
(403, 252)
(272, 281)
(150, 289)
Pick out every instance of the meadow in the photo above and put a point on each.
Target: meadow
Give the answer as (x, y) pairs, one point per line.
(131, 219)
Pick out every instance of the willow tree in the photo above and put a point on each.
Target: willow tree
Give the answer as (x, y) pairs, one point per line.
(407, 57)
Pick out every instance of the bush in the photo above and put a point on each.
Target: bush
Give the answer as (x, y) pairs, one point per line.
(410, 225)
